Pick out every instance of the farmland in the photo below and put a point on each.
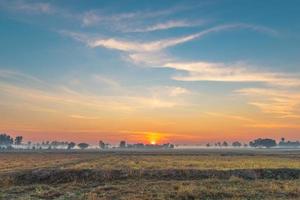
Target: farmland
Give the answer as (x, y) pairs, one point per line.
(174, 174)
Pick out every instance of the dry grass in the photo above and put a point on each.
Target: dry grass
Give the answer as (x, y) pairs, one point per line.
(188, 162)
(21, 161)
(144, 189)
(154, 188)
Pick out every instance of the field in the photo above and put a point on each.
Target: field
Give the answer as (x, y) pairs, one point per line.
(170, 174)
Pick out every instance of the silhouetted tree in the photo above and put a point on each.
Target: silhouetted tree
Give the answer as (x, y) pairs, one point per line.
(71, 145)
(225, 144)
(293, 144)
(83, 145)
(6, 140)
(122, 144)
(101, 144)
(263, 143)
(18, 140)
(236, 144)
(207, 145)
(28, 144)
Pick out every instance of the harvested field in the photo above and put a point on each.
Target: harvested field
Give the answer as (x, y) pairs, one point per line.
(144, 189)
(150, 175)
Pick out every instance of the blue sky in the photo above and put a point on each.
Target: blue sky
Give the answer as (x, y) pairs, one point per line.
(119, 62)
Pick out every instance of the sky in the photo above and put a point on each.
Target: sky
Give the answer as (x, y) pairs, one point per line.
(186, 72)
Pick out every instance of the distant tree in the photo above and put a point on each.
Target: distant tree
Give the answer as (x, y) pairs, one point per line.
(71, 145)
(282, 142)
(18, 140)
(101, 144)
(28, 144)
(207, 145)
(123, 144)
(268, 143)
(83, 145)
(225, 144)
(291, 144)
(236, 144)
(55, 144)
(245, 145)
(6, 140)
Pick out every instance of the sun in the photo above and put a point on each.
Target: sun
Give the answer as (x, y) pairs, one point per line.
(153, 138)
(153, 142)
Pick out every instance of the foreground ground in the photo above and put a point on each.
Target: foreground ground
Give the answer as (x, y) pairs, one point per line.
(178, 174)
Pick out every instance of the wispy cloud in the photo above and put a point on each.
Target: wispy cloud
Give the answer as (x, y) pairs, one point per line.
(106, 80)
(121, 21)
(29, 7)
(238, 72)
(94, 17)
(167, 25)
(135, 46)
(169, 91)
(177, 91)
(65, 99)
(282, 103)
(230, 116)
(16, 75)
(84, 117)
(274, 126)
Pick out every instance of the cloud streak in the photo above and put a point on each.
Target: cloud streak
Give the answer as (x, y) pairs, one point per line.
(28, 7)
(65, 99)
(121, 21)
(134, 46)
(282, 103)
(206, 71)
(166, 25)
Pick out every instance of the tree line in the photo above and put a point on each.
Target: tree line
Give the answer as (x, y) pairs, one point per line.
(6, 141)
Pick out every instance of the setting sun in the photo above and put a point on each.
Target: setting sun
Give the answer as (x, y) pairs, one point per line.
(153, 138)
(153, 142)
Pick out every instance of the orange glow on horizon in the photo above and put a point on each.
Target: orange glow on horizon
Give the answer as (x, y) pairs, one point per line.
(153, 138)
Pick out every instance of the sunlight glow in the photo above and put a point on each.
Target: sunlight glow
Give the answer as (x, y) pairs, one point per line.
(153, 142)
(153, 138)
